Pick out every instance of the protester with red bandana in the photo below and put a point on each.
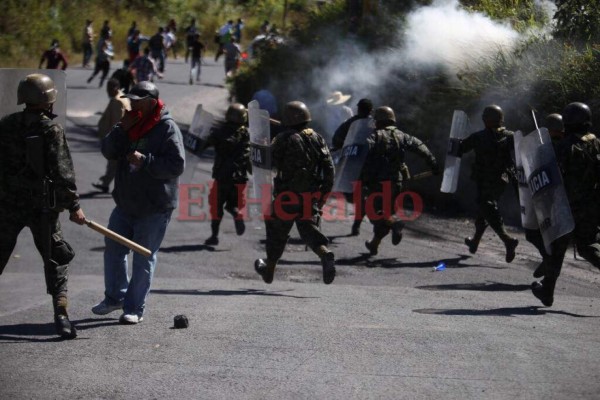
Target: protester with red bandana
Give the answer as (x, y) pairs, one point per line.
(148, 146)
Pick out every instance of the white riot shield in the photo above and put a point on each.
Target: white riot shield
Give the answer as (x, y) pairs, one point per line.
(9, 83)
(200, 129)
(353, 155)
(460, 126)
(528, 218)
(260, 154)
(545, 182)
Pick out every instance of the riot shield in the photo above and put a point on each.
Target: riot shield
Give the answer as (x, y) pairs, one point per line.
(458, 131)
(199, 129)
(260, 154)
(528, 218)
(353, 155)
(549, 197)
(9, 83)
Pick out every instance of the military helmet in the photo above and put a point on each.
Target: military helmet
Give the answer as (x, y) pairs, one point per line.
(577, 114)
(554, 122)
(295, 113)
(384, 114)
(36, 89)
(236, 114)
(493, 113)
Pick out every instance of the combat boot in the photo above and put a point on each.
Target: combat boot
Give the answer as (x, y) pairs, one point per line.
(63, 326)
(373, 246)
(510, 244)
(544, 290)
(328, 263)
(473, 242)
(240, 227)
(213, 240)
(266, 269)
(397, 232)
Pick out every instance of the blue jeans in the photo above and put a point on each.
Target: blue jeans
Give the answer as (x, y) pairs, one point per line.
(147, 231)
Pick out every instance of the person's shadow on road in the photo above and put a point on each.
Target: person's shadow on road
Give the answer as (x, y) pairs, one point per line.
(499, 312)
(37, 332)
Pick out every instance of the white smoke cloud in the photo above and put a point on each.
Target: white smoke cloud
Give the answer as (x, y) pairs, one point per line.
(442, 35)
(446, 34)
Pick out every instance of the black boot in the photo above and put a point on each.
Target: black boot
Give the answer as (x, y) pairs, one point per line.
(397, 232)
(510, 244)
(63, 326)
(240, 226)
(473, 242)
(266, 269)
(544, 290)
(213, 240)
(328, 263)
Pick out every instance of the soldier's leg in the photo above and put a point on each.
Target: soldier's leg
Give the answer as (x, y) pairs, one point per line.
(8, 236)
(494, 219)
(56, 271)
(216, 203)
(314, 238)
(381, 226)
(534, 236)
(480, 226)
(277, 236)
(544, 289)
(587, 237)
(235, 201)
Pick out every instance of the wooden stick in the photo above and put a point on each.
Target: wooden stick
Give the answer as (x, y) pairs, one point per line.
(118, 238)
(421, 175)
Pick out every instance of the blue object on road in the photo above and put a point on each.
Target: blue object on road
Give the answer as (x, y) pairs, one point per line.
(440, 267)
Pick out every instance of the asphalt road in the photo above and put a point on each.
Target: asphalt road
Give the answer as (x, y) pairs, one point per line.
(388, 327)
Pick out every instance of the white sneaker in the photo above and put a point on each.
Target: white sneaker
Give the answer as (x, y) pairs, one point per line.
(130, 319)
(103, 308)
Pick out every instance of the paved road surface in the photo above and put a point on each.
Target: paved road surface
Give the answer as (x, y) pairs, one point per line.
(388, 327)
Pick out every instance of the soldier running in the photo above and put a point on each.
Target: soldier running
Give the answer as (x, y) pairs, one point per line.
(383, 166)
(304, 178)
(231, 141)
(493, 164)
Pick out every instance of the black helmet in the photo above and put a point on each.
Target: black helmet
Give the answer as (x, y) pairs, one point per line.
(384, 114)
(554, 122)
(36, 89)
(577, 115)
(236, 114)
(493, 113)
(295, 113)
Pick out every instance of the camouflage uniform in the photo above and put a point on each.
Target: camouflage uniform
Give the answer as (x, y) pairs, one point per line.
(579, 159)
(20, 193)
(230, 172)
(304, 165)
(384, 166)
(492, 170)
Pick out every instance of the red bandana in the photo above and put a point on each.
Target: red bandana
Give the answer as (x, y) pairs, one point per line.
(144, 126)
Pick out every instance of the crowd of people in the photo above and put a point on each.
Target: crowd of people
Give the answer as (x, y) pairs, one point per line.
(147, 55)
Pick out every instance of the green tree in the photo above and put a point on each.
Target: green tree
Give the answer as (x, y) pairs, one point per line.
(578, 20)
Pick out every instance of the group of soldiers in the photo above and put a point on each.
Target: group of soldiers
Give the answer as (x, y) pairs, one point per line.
(373, 155)
(304, 177)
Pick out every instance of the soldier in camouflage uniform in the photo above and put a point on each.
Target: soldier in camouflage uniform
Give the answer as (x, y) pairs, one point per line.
(579, 160)
(231, 141)
(383, 166)
(491, 171)
(304, 178)
(32, 194)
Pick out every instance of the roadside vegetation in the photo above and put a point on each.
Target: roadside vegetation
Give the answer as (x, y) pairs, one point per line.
(559, 64)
